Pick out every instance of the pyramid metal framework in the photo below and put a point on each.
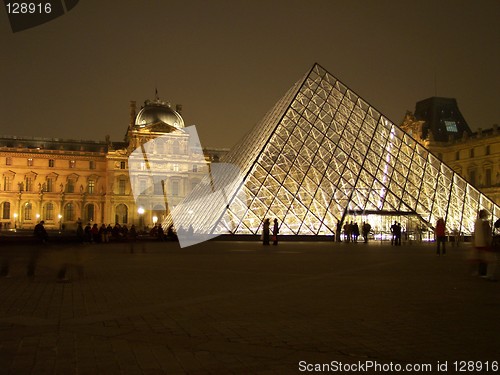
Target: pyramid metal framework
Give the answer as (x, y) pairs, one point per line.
(323, 153)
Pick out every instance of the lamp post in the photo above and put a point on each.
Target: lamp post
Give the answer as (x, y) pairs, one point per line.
(60, 222)
(15, 221)
(141, 211)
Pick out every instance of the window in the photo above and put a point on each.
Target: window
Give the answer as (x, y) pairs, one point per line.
(487, 151)
(8, 160)
(121, 186)
(158, 188)
(72, 163)
(457, 155)
(175, 188)
(7, 183)
(29, 184)
(195, 168)
(6, 210)
(91, 186)
(472, 176)
(487, 177)
(50, 185)
(48, 212)
(175, 167)
(30, 162)
(122, 165)
(51, 163)
(176, 148)
(142, 186)
(89, 212)
(92, 164)
(143, 166)
(70, 186)
(69, 212)
(28, 211)
(471, 152)
(121, 215)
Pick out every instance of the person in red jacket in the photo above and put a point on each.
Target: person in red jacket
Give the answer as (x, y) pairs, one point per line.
(440, 236)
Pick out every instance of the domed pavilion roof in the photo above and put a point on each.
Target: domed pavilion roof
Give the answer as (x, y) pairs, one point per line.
(157, 111)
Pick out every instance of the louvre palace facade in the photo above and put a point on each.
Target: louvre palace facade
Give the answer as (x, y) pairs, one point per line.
(65, 181)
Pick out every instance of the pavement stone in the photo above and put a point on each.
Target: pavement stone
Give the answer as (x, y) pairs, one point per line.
(230, 307)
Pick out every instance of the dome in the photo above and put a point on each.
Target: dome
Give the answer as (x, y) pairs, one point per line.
(157, 111)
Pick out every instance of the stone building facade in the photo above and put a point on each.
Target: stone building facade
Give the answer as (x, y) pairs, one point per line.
(66, 181)
(439, 126)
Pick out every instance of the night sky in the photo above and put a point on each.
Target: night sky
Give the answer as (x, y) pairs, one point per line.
(228, 62)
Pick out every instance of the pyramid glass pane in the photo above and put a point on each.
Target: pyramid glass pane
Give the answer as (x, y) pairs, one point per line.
(321, 154)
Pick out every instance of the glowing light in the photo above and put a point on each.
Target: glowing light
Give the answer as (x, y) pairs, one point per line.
(140, 211)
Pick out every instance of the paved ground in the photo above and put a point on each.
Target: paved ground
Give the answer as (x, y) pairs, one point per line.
(240, 308)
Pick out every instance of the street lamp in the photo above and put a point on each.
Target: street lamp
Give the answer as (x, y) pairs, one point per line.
(37, 217)
(60, 221)
(15, 221)
(140, 211)
(155, 220)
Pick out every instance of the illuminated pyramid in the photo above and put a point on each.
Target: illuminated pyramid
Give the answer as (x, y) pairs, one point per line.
(322, 156)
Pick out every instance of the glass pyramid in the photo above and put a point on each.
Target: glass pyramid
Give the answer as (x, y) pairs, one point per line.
(321, 156)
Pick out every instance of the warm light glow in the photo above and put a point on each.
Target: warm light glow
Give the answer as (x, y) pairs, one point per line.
(38, 216)
(155, 219)
(15, 216)
(140, 211)
(59, 216)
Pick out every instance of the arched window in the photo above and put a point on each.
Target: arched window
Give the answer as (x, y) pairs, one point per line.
(89, 212)
(48, 211)
(6, 210)
(69, 212)
(121, 215)
(28, 211)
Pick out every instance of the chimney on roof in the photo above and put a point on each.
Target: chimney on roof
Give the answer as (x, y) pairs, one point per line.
(132, 113)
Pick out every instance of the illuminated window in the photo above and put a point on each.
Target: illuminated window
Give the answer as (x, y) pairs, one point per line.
(7, 183)
(70, 186)
(28, 211)
(69, 212)
(121, 186)
(72, 163)
(48, 213)
(91, 186)
(89, 212)
(8, 160)
(451, 126)
(121, 215)
(51, 163)
(30, 162)
(50, 185)
(175, 167)
(29, 184)
(6, 210)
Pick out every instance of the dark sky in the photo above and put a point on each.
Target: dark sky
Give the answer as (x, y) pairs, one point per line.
(228, 62)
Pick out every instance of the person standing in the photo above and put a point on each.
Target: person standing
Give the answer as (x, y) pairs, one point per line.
(366, 231)
(265, 232)
(275, 232)
(440, 236)
(483, 254)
